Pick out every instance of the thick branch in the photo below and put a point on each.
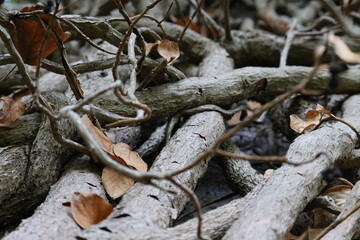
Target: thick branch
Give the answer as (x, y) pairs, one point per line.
(290, 188)
(80, 176)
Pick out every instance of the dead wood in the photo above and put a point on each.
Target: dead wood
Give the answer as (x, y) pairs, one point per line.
(275, 208)
(42, 168)
(24, 133)
(225, 89)
(159, 208)
(238, 172)
(51, 219)
(349, 228)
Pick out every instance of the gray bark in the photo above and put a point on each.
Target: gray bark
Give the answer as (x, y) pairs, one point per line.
(42, 168)
(25, 132)
(225, 89)
(51, 220)
(290, 188)
(238, 172)
(349, 227)
(159, 208)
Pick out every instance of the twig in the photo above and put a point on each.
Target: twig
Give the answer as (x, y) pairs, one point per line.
(175, 119)
(212, 150)
(127, 35)
(144, 16)
(84, 36)
(210, 23)
(338, 220)
(46, 36)
(8, 74)
(346, 23)
(190, 20)
(289, 37)
(226, 6)
(213, 201)
(197, 204)
(152, 75)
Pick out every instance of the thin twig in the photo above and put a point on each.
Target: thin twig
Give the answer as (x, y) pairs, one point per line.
(190, 20)
(73, 26)
(289, 37)
(197, 204)
(127, 35)
(8, 74)
(248, 120)
(226, 6)
(346, 23)
(46, 36)
(338, 220)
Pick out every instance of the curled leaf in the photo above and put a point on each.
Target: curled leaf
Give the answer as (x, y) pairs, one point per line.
(312, 118)
(89, 208)
(299, 125)
(115, 184)
(10, 112)
(168, 50)
(339, 193)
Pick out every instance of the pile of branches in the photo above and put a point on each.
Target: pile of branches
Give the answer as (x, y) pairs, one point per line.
(135, 119)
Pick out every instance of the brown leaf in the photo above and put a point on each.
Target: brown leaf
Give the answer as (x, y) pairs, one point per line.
(313, 118)
(168, 50)
(299, 125)
(10, 112)
(131, 158)
(29, 33)
(343, 51)
(149, 47)
(339, 193)
(115, 184)
(89, 208)
(100, 137)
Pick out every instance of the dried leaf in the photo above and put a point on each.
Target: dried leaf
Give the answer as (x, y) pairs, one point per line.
(89, 208)
(313, 118)
(149, 47)
(115, 184)
(29, 33)
(10, 112)
(343, 51)
(100, 137)
(131, 158)
(299, 125)
(338, 193)
(168, 50)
